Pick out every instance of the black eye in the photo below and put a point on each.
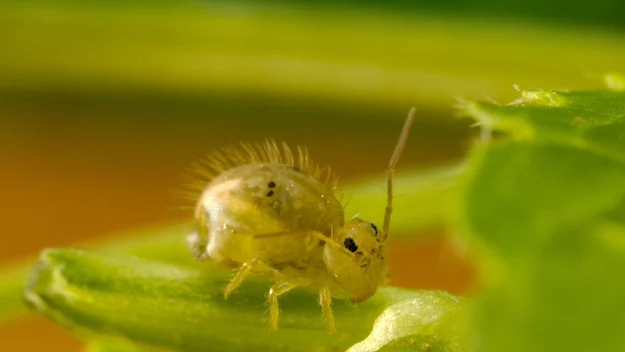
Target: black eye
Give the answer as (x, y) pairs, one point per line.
(375, 228)
(350, 244)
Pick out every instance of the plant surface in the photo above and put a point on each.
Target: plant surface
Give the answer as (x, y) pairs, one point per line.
(183, 308)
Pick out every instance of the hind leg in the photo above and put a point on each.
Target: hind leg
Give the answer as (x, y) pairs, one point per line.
(253, 266)
(325, 300)
(275, 291)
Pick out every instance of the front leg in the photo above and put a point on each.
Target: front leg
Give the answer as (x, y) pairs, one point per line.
(246, 269)
(325, 300)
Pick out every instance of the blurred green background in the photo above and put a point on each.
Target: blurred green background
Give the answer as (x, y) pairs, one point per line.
(104, 104)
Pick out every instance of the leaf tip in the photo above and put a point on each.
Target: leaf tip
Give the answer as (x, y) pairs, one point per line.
(543, 97)
(44, 277)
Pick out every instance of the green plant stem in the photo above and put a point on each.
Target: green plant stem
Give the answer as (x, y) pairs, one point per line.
(184, 309)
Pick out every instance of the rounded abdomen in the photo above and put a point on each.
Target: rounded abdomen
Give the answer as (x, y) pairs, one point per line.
(265, 199)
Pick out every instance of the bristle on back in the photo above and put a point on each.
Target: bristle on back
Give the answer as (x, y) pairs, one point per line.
(223, 159)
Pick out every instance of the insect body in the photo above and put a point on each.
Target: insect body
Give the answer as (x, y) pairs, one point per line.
(268, 212)
(263, 198)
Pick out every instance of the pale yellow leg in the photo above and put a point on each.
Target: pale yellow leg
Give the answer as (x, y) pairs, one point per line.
(325, 300)
(274, 310)
(246, 269)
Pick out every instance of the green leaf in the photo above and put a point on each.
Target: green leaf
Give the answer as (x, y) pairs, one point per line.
(546, 212)
(590, 120)
(183, 308)
(535, 189)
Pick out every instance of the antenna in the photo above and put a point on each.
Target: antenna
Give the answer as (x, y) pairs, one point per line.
(391, 170)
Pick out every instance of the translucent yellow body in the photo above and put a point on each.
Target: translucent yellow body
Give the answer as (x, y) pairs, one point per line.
(267, 212)
(258, 199)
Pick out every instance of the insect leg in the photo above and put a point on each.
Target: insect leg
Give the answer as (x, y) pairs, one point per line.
(274, 292)
(246, 269)
(325, 300)
(391, 171)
